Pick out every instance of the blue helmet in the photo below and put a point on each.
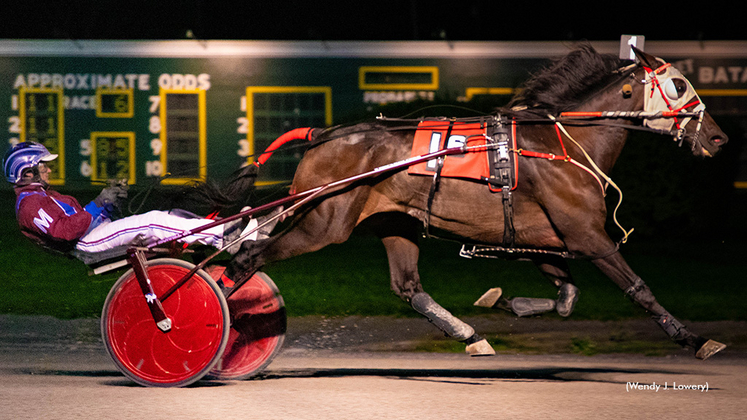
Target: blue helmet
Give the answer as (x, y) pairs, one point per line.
(24, 156)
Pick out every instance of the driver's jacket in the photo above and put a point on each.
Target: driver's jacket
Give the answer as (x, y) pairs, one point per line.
(59, 222)
(52, 219)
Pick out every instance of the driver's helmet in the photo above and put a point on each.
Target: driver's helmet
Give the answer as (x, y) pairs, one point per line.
(24, 156)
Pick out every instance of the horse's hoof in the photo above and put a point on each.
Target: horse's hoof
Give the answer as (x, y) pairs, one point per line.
(480, 348)
(567, 298)
(489, 298)
(708, 349)
(531, 306)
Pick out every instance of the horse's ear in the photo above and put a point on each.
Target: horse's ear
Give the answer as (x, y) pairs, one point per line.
(647, 60)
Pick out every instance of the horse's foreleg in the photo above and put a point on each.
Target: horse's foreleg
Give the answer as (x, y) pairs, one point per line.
(615, 267)
(557, 271)
(405, 281)
(579, 217)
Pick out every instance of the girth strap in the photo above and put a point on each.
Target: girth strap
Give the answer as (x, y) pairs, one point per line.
(509, 231)
(502, 173)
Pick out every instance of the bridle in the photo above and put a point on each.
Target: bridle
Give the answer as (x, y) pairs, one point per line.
(663, 107)
(659, 114)
(677, 106)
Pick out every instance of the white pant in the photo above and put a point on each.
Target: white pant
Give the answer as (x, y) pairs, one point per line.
(153, 226)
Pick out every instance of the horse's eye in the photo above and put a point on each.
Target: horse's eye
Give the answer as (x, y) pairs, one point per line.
(675, 88)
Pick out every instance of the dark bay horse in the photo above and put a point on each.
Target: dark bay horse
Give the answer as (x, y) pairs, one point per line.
(556, 206)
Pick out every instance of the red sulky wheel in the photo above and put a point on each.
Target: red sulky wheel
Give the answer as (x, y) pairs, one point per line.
(257, 328)
(198, 336)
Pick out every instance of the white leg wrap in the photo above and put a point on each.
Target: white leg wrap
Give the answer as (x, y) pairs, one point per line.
(441, 318)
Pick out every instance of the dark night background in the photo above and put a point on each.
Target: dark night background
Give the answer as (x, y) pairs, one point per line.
(689, 219)
(671, 206)
(379, 20)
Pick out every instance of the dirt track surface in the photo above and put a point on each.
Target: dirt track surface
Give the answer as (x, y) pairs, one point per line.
(364, 368)
(354, 333)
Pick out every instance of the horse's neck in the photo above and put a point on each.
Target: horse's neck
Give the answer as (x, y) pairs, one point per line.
(613, 99)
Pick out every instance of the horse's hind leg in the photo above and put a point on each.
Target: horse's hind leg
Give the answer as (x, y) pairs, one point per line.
(403, 255)
(618, 270)
(331, 221)
(399, 235)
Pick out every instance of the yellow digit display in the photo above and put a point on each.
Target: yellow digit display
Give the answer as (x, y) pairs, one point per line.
(183, 121)
(295, 106)
(113, 156)
(115, 103)
(398, 78)
(42, 117)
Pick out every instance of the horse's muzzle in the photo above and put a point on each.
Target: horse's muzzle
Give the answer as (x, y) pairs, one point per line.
(711, 138)
(713, 144)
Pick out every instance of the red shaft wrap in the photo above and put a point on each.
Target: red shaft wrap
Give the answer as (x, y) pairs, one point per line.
(297, 134)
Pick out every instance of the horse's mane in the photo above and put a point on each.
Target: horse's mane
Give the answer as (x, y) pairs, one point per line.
(566, 82)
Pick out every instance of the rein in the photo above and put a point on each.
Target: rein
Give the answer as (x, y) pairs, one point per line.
(559, 127)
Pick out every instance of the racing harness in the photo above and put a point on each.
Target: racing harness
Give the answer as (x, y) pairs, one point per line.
(498, 136)
(666, 102)
(495, 163)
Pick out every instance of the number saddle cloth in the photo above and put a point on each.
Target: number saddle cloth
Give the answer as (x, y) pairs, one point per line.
(494, 164)
(493, 160)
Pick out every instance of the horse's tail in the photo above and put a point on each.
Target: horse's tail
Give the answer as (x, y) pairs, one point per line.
(233, 191)
(238, 186)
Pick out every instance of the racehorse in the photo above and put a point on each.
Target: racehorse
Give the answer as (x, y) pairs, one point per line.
(557, 208)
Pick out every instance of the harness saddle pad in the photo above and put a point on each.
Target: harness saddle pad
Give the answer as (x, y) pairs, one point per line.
(431, 137)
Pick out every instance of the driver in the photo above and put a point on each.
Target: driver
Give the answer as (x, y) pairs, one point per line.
(59, 222)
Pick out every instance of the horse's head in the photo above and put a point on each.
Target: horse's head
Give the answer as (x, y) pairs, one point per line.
(666, 90)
